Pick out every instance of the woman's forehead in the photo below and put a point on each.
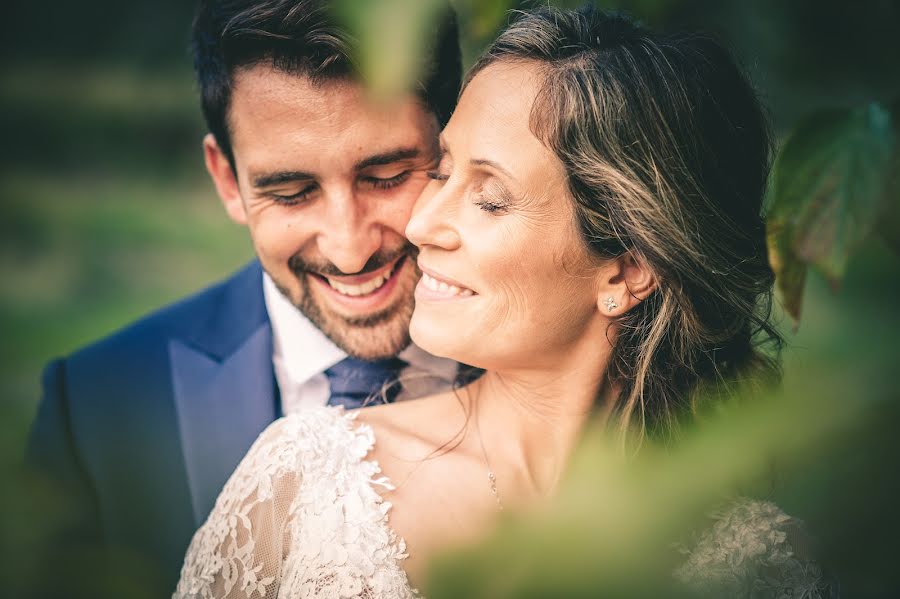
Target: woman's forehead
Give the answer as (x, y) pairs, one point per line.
(502, 92)
(492, 119)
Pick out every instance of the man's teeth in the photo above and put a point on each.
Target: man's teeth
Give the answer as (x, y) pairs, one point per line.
(363, 289)
(442, 287)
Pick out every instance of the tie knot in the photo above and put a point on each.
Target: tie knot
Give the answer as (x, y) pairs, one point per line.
(353, 381)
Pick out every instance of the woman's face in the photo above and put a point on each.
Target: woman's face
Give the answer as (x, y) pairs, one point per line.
(507, 281)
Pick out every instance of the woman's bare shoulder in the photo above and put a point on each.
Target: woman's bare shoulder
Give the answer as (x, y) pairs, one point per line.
(426, 422)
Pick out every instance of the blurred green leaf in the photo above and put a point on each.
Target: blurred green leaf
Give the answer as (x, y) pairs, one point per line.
(482, 16)
(479, 22)
(391, 36)
(610, 530)
(889, 224)
(830, 182)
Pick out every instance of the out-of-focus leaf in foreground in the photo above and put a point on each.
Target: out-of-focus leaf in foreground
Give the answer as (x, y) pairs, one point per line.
(889, 224)
(479, 22)
(610, 531)
(392, 37)
(829, 188)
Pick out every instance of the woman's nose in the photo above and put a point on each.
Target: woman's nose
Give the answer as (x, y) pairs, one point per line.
(434, 219)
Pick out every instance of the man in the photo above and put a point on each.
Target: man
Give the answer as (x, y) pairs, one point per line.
(143, 428)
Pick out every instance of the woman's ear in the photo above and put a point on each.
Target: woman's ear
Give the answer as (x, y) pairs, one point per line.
(626, 282)
(223, 177)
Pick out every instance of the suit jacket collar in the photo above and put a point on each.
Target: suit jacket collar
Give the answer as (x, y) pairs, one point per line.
(238, 312)
(223, 385)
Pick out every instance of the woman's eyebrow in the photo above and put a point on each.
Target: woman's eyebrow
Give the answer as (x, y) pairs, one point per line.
(492, 164)
(477, 161)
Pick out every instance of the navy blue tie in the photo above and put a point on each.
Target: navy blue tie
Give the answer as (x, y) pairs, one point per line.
(354, 381)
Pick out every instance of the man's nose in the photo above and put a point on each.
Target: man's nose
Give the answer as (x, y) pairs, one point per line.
(349, 235)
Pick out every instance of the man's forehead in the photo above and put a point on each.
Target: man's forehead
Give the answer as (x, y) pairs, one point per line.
(277, 117)
(263, 81)
(263, 91)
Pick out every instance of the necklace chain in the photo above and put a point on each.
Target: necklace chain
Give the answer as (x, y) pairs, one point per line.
(492, 478)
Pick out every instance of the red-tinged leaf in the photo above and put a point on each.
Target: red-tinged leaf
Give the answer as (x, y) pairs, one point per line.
(790, 271)
(829, 188)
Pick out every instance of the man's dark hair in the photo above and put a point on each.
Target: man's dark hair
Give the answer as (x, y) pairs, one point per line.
(299, 37)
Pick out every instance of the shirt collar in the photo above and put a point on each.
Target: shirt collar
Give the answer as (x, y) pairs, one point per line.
(305, 351)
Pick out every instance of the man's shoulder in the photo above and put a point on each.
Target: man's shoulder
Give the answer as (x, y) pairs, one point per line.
(235, 303)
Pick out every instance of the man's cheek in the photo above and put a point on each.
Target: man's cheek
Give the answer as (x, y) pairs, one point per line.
(277, 241)
(400, 212)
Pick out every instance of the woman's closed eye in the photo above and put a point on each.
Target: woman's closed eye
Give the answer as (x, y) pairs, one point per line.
(494, 198)
(436, 175)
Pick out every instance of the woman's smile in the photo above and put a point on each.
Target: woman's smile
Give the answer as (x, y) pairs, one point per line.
(436, 287)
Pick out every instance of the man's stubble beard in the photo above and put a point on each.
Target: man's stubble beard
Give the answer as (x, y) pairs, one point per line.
(375, 336)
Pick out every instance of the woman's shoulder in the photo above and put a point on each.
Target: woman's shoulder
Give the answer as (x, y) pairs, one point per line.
(754, 548)
(303, 474)
(414, 424)
(313, 434)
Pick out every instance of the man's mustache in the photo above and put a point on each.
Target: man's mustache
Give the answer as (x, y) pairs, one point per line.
(300, 265)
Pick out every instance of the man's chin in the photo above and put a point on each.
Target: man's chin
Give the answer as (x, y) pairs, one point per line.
(370, 337)
(367, 335)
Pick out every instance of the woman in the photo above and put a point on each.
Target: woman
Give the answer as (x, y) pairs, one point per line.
(592, 240)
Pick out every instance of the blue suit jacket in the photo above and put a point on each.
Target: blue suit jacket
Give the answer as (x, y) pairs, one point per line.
(143, 428)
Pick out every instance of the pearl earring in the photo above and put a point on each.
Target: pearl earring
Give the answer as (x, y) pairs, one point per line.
(611, 304)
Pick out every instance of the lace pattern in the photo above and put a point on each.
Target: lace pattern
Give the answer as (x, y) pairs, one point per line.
(300, 517)
(754, 550)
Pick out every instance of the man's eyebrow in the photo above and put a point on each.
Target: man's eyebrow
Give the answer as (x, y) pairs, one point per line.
(280, 177)
(388, 158)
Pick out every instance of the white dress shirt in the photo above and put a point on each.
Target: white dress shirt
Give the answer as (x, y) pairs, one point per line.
(301, 354)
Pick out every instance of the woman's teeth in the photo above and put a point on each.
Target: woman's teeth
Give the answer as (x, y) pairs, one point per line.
(442, 287)
(362, 289)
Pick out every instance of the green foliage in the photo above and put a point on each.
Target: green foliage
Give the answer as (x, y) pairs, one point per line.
(479, 21)
(609, 531)
(390, 35)
(830, 183)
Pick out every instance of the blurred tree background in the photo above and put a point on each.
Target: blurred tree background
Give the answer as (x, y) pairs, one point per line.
(107, 213)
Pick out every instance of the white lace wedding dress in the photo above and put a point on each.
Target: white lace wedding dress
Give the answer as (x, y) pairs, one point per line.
(302, 517)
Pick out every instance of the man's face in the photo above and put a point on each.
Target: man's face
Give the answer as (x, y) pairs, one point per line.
(326, 182)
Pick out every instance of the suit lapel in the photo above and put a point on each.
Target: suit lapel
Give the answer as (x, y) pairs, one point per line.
(222, 407)
(224, 388)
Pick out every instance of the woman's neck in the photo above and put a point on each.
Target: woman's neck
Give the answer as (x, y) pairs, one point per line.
(531, 420)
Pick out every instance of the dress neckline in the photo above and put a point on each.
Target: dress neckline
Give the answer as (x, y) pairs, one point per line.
(378, 481)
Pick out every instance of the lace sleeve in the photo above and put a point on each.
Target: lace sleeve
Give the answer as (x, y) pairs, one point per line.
(754, 549)
(238, 552)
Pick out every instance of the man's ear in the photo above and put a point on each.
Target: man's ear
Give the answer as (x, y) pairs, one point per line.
(626, 282)
(224, 179)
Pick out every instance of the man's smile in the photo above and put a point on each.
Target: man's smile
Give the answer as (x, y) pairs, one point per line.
(364, 292)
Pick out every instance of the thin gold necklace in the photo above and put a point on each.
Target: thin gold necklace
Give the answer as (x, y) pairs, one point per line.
(492, 478)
